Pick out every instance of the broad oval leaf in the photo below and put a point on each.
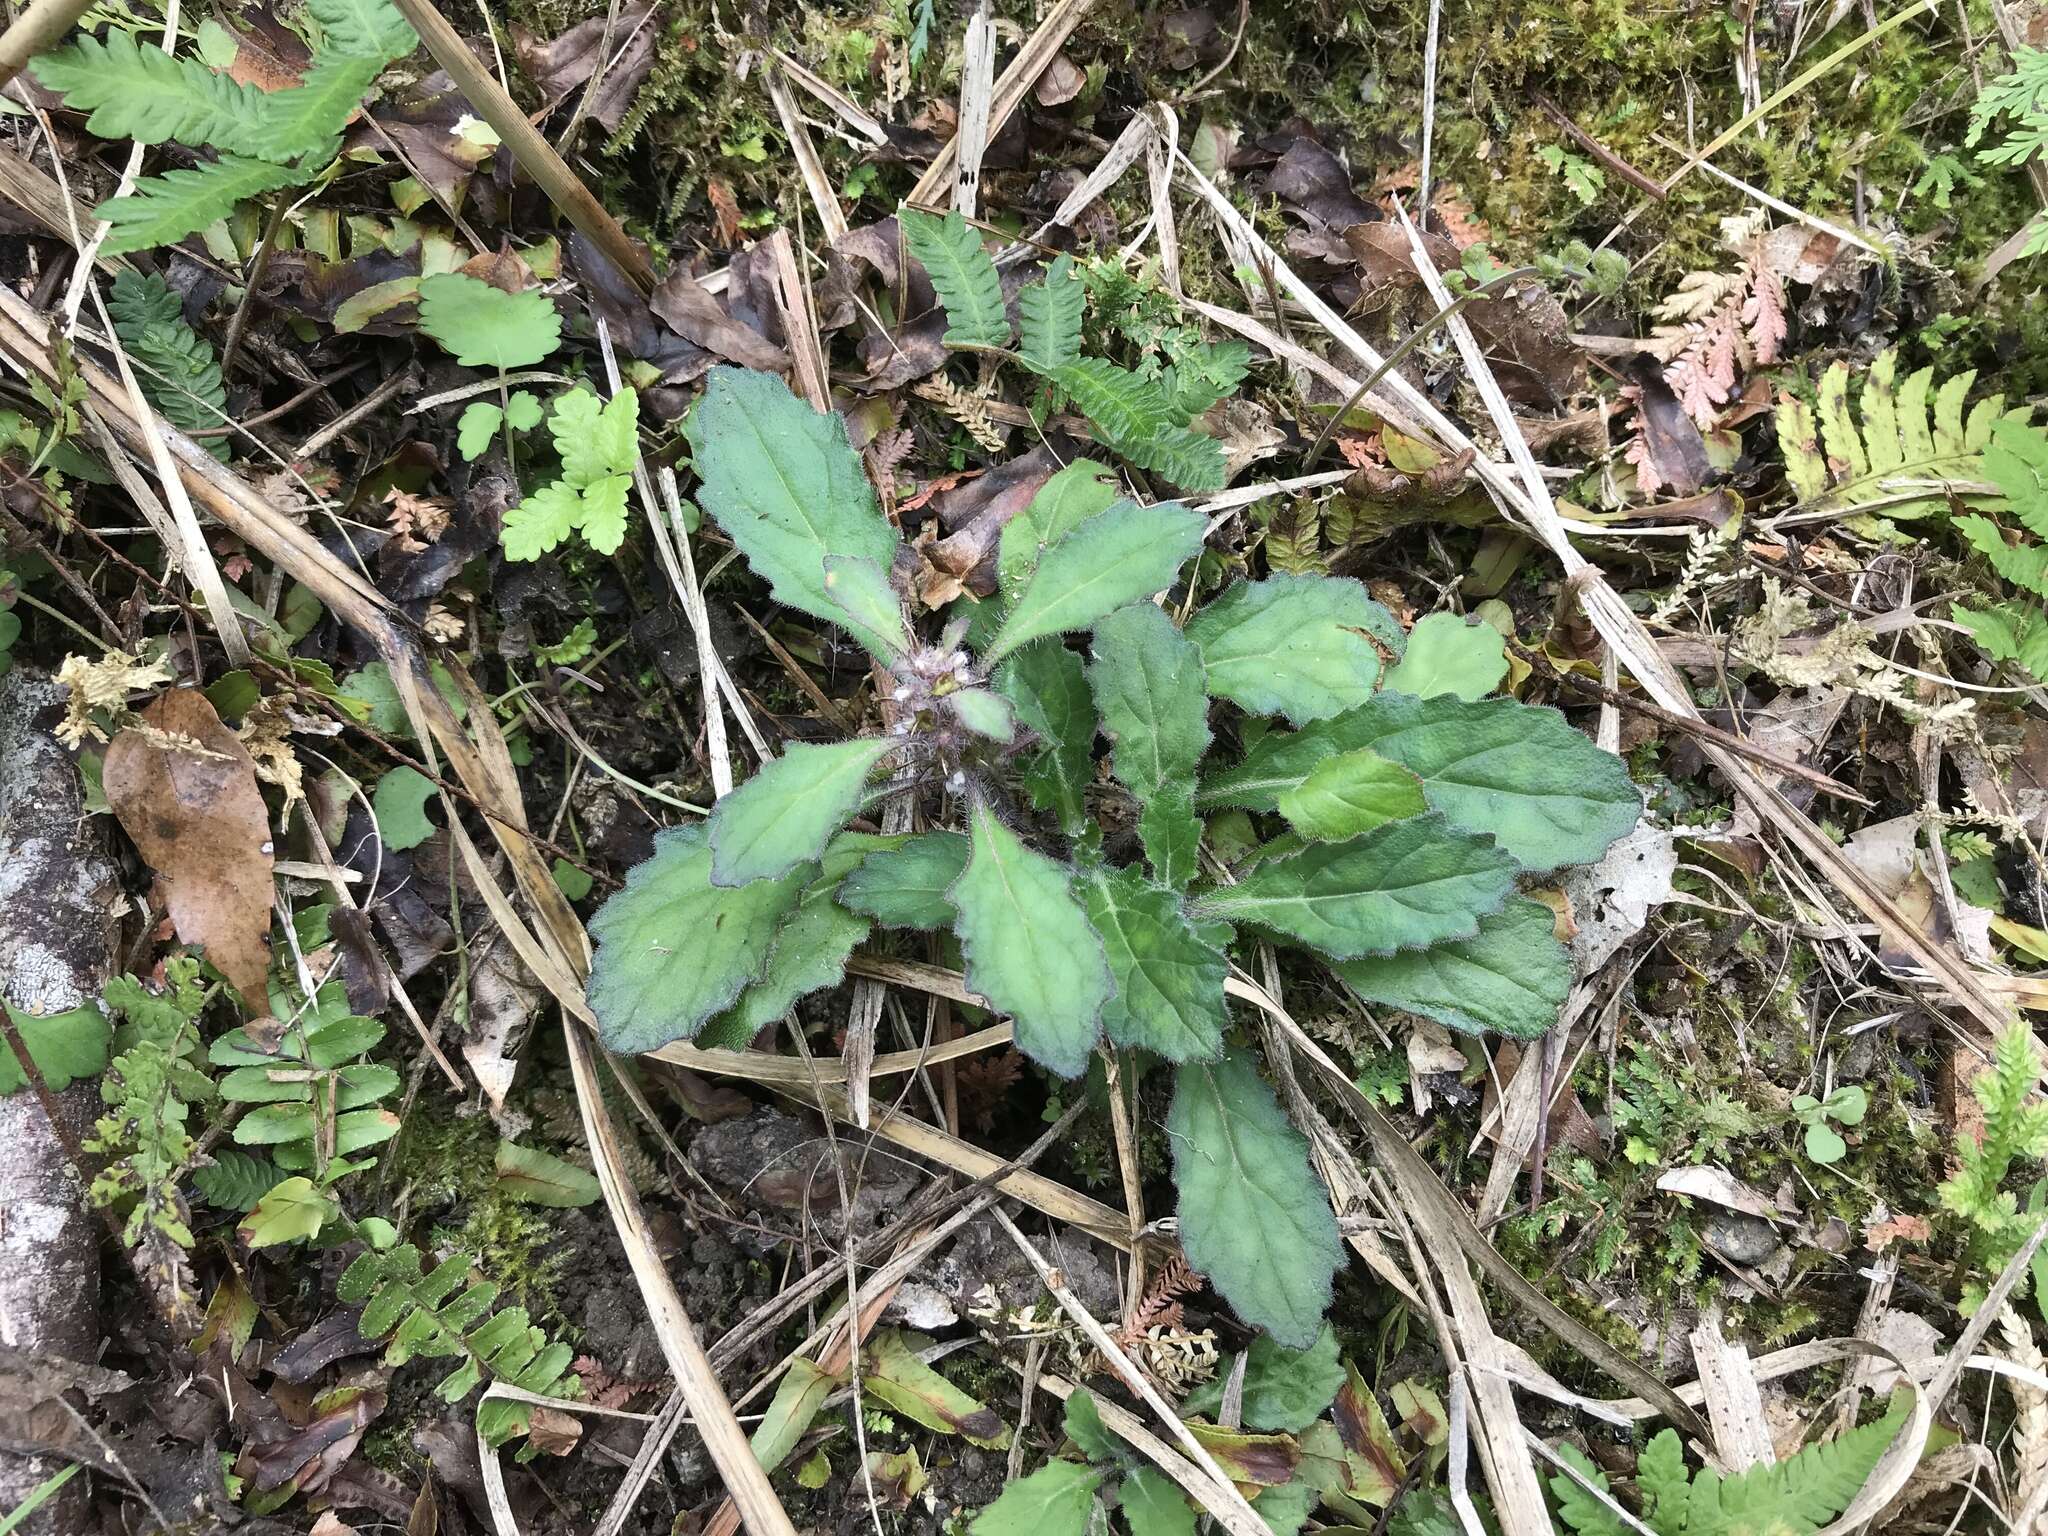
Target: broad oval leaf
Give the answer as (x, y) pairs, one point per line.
(1066, 501)
(785, 814)
(1511, 976)
(1253, 1216)
(1401, 886)
(63, 1047)
(1154, 1505)
(1351, 793)
(541, 1178)
(1049, 686)
(859, 592)
(787, 488)
(1056, 1500)
(1117, 557)
(1029, 947)
(1447, 654)
(1169, 976)
(1297, 646)
(906, 887)
(673, 949)
(486, 327)
(809, 954)
(1544, 791)
(1147, 680)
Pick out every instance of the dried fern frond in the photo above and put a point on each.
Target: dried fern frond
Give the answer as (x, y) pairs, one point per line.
(963, 406)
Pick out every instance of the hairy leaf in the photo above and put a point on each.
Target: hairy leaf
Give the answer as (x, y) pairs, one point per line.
(859, 591)
(1400, 886)
(1171, 835)
(1544, 791)
(1512, 976)
(1446, 654)
(962, 275)
(486, 327)
(785, 814)
(1049, 686)
(1066, 501)
(1029, 947)
(673, 949)
(1147, 681)
(1126, 553)
(1351, 793)
(1299, 646)
(1056, 1500)
(809, 954)
(787, 488)
(165, 209)
(906, 887)
(1049, 313)
(1154, 1505)
(1169, 976)
(1253, 1216)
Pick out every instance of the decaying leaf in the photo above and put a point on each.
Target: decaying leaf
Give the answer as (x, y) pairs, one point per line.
(184, 788)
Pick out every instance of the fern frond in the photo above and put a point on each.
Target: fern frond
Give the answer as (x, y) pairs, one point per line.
(1206, 376)
(363, 29)
(236, 1180)
(1793, 1496)
(1902, 444)
(142, 93)
(1049, 318)
(175, 364)
(1577, 1508)
(962, 275)
(165, 209)
(441, 1313)
(1660, 1473)
(1136, 419)
(308, 118)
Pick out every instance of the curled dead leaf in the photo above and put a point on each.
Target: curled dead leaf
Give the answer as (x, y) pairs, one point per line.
(184, 788)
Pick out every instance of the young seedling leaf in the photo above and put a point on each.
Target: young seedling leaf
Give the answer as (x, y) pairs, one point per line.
(962, 275)
(1083, 1423)
(540, 522)
(601, 513)
(1029, 947)
(1299, 646)
(1126, 553)
(1517, 771)
(400, 804)
(1446, 654)
(673, 949)
(540, 1178)
(1400, 886)
(906, 887)
(1351, 793)
(1512, 976)
(788, 489)
(1169, 976)
(479, 424)
(785, 814)
(523, 410)
(486, 327)
(1253, 1216)
(1289, 1389)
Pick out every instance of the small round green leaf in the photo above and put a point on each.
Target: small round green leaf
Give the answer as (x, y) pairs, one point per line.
(486, 327)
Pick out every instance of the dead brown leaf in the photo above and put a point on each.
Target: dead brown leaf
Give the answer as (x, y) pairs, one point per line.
(565, 64)
(184, 788)
(554, 1432)
(682, 304)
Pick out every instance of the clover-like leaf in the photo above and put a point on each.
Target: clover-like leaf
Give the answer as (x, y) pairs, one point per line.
(788, 490)
(1029, 947)
(673, 949)
(1400, 886)
(1511, 976)
(486, 327)
(1114, 558)
(1169, 975)
(1299, 646)
(785, 814)
(1253, 1216)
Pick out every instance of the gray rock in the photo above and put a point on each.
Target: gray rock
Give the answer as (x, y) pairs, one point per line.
(1740, 1238)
